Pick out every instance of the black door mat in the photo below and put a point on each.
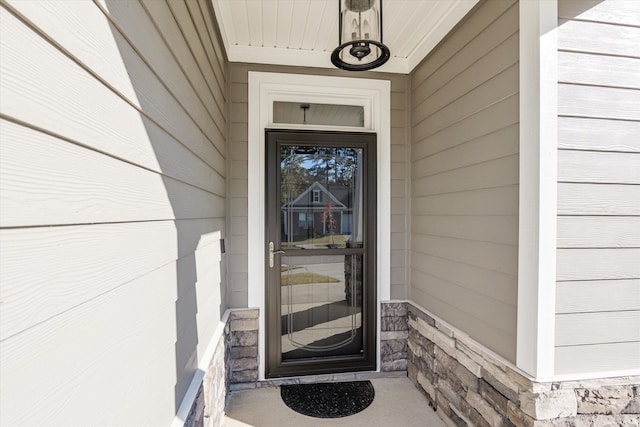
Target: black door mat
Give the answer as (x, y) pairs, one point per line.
(328, 400)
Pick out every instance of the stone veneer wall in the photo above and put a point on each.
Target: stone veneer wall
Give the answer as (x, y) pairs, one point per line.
(394, 331)
(235, 361)
(468, 385)
(241, 335)
(207, 409)
(242, 342)
(472, 387)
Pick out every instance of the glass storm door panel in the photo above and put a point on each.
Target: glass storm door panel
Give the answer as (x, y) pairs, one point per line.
(320, 255)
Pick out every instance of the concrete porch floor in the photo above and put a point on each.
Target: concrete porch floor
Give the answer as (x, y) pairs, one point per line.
(397, 402)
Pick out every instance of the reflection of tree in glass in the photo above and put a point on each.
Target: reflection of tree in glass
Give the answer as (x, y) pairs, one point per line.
(301, 166)
(329, 220)
(294, 177)
(334, 165)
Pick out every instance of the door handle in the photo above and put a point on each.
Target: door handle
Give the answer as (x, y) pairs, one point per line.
(272, 253)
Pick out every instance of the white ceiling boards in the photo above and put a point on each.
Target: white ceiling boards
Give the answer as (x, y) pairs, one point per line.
(305, 32)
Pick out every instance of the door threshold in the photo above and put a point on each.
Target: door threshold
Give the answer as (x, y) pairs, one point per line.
(321, 378)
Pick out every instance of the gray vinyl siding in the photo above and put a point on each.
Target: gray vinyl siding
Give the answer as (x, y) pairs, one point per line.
(464, 162)
(113, 189)
(598, 259)
(237, 230)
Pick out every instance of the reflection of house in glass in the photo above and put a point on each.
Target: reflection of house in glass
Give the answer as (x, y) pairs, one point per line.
(318, 212)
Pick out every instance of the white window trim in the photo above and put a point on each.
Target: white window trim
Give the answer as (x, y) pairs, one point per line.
(535, 352)
(265, 88)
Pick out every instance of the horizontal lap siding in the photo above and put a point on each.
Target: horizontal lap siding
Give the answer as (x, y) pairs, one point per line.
(400, 187)
(113, 194)
(464, 152)
(237, 243)
(598, 269)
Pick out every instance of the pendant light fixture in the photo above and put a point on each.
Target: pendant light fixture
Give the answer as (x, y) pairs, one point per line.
(360, 36)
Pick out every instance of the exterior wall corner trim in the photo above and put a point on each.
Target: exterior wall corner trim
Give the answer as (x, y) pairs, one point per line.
(537, 194)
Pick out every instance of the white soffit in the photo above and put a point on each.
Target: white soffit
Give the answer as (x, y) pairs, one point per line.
(305, 32)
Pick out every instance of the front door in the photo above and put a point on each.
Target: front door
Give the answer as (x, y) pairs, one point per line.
(321, 224)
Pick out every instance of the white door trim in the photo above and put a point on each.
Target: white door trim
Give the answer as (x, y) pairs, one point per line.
(265, 88)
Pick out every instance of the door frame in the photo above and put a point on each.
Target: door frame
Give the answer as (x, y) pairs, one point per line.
(265, 88)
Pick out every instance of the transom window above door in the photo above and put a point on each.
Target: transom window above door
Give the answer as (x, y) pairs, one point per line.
(318, 114)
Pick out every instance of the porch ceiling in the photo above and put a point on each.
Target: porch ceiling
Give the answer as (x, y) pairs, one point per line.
(305, 32)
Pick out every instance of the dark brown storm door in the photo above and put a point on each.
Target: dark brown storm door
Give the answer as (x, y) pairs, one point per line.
(320, 255)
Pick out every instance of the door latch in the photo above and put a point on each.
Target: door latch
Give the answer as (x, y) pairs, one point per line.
(272, 254)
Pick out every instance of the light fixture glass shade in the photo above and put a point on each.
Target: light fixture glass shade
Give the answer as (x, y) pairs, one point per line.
(360, 36)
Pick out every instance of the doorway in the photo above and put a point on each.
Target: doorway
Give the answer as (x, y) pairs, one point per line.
(321, 252)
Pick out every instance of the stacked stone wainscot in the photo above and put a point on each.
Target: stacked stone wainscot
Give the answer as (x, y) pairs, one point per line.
(242, 343)
(208, 407)
(470, 386)
(393, 338)
(466, 383)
